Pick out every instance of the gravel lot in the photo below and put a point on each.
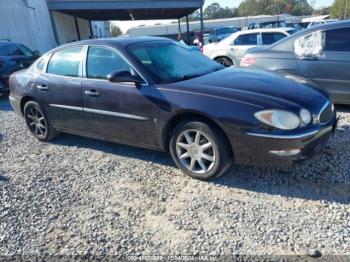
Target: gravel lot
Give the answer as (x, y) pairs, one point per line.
(82, 197)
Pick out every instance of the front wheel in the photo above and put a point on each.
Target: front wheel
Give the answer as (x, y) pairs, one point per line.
(37, 122)
(200, 150)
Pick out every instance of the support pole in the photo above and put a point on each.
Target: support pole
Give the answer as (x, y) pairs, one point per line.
(77, 28)
(188, 30)
(179, 37)
(54, 29)
(91, 33)
(202, 25)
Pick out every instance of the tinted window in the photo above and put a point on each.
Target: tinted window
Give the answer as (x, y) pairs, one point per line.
(270, 38)
(338, 40)
(103, 61)
(248, 39)
(65, 62)
(13, 50)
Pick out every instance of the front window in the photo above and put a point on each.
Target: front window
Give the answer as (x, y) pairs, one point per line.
(103, 61)
(270, 38)
(171, 62)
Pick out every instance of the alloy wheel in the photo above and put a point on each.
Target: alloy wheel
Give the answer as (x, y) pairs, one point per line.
(195, 151)
(36, 122)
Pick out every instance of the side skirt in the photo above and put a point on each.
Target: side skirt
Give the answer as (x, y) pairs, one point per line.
(109, 139)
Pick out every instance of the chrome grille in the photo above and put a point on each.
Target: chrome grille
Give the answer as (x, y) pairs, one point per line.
(326, 114)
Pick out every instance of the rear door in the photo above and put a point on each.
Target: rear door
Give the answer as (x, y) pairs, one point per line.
(271, 38)
(58, 89)
(121, 111)
(330, 70)
(242, 43)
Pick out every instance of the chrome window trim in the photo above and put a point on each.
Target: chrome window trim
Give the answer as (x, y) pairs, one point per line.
(101, 112)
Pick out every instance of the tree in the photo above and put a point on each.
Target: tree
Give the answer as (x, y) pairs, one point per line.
(340, 9)
(273, 7)
(115, 31)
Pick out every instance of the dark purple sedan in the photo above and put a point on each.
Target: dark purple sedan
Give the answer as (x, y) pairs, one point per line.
(158, 94)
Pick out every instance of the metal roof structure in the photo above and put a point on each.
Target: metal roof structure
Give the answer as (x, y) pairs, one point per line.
(95, 10)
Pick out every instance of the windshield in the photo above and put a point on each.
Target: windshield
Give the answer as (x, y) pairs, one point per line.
(225, 30)
(172, 62)
(26, 50)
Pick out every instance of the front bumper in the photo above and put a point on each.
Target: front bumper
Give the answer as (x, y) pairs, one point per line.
(261, 149)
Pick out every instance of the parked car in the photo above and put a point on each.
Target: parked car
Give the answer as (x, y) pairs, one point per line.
(231, 50)
(219, 33)
(320, 53)
(159, 94)
(13, 57)
(321, 22)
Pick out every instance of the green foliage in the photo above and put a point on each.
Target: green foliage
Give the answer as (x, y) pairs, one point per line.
(338, 9)
(115, 31)
(273, 7)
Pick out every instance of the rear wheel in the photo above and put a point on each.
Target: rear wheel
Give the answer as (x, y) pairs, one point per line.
(199, 150)
(225, 61)
(37, 122)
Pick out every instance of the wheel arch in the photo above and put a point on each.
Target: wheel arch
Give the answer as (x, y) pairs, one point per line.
(186, 116)
(24, 100)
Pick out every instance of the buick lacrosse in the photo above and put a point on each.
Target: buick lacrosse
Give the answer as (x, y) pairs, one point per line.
(158, 94)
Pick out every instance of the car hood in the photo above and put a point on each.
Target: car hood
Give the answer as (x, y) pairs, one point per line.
(262, 88)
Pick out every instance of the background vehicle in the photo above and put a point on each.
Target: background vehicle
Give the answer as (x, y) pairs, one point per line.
(320, 53)
(321, 22)
(219, 33)
(229, 51)
(139, 91)
(13, 57)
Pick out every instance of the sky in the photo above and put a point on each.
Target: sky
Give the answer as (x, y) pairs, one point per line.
(235, 3)
(125, 25)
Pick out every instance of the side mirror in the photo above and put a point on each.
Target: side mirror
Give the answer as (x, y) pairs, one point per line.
(124, 76)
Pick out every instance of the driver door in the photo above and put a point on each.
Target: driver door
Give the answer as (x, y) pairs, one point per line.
(242, 43)
(120, 111)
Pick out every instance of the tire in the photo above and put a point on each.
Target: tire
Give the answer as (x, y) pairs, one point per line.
(225, 61)
(205, 156)
(38, 123)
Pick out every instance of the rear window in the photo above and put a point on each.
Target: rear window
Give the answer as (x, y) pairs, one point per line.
(247, 39)
(270, 38)
(66, 62)
(338, 40)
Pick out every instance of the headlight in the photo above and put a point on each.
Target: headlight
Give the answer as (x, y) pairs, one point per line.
(305, 116)
(280, 119)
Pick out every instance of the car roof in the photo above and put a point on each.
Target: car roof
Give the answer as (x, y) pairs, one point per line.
(115, 41)
(265, 30)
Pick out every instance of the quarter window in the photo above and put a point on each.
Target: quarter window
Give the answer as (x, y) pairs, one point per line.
(247, 39)
(66, 62)
(338, 40)
(270, 38)
(103, 61)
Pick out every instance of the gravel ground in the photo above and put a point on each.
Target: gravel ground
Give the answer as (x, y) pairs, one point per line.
(81, 197)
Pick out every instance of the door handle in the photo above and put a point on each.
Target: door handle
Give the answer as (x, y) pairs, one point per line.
(92, 93)
(42, 87)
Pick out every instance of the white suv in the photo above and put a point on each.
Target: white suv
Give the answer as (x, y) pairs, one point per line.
(232, 49)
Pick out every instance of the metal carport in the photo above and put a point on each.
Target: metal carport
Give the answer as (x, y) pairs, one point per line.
(102, 10)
